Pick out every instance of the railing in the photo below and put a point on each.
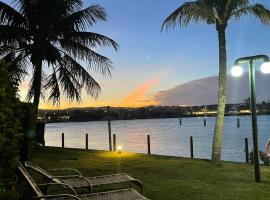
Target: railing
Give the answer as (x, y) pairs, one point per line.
(148, 142)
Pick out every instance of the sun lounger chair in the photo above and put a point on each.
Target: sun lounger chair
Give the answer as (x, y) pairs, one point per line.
(123, 194)
(77, 180)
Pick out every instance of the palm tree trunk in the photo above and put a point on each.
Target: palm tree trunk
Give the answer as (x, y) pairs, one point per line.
(218, 133)
(37, 85)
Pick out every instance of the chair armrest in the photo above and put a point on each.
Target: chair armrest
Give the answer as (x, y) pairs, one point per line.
(57, 195)
(69, 176)
(58, 184)
(73, 177)
(138, 183)
(67, 169)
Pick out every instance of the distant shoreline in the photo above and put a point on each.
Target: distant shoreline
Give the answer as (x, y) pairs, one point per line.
(182, 117)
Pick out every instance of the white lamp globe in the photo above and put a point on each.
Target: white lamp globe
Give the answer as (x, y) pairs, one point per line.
(237, 71)
(265, 68)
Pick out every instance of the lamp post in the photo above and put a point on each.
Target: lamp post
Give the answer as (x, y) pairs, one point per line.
(238, 71)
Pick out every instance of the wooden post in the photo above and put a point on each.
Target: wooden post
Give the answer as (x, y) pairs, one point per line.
(114, 142)
(191, 147)
(204, 122)
(86, 141)
(148, 144)
(238, 123)
(63, 140)
(109, 127)
(180, 121)
(246, 150)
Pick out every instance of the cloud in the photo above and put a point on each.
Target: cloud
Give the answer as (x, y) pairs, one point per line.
(138, 96)
(204, 91)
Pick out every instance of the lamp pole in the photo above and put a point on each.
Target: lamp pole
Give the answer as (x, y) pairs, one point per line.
(252, 89)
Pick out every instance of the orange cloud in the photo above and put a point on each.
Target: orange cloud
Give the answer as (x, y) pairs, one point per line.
(137, 97)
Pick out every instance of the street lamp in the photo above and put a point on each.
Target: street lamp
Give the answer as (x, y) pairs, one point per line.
(238, 71)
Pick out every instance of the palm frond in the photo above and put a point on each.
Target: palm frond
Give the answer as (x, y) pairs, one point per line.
(86, 80)
(258, 10)
(234, 5)
(86, 17)
(78, 75)
(10, 16)
(93, 40)
(69, 84)
(18, 66)
(6, 49)
(12, 34)
(24, 6)
(53, 86)
(33, 86)
(190, 11)
(72, 6)
(95, 61)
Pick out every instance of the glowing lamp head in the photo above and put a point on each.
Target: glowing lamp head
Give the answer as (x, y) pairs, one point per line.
(237, 71)
(119, 149)
(265, 68)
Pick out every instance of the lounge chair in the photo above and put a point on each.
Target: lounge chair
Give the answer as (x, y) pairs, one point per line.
(77, 180)
(123, 194)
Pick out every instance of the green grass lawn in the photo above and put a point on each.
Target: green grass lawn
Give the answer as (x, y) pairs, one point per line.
(165, 177)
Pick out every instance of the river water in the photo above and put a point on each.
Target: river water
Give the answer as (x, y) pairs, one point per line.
(167, 136)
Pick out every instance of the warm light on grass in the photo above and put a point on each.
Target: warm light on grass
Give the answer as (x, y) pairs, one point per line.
(119, 149)
(115, 154)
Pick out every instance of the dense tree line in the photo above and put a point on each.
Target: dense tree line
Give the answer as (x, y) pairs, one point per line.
(149, 112)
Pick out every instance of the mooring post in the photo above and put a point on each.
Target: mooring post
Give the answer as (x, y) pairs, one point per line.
(246, 150)
(191, 147)
(109, 127)
(63, 141)
(204, 121)
(148, 144)
(180, 121)
(238, 122)
(86, 141)
(114, 142)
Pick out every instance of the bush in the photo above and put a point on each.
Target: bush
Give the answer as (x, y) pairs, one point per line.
(10, 132)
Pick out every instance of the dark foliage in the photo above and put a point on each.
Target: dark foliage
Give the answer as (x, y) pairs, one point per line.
(10, 132)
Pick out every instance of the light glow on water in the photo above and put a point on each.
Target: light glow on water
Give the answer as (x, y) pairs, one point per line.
(167, 136)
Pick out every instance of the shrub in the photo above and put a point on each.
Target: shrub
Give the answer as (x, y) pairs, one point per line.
(10, 131)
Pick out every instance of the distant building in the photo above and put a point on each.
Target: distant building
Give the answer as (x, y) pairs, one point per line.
(244, 111)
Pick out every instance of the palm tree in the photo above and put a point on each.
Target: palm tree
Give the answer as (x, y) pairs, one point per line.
(247, 102)
(54, 34)
(218, 13)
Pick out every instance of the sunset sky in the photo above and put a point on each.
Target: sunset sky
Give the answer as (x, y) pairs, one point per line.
(150, 61)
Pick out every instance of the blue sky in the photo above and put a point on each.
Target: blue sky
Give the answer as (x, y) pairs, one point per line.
(171, 57)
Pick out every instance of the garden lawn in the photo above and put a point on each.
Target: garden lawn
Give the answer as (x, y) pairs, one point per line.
(165, 177)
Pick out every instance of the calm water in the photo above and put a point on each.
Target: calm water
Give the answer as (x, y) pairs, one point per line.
(167, 136)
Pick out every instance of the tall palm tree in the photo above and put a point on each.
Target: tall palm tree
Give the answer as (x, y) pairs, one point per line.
(218, 13)
(52, 37)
